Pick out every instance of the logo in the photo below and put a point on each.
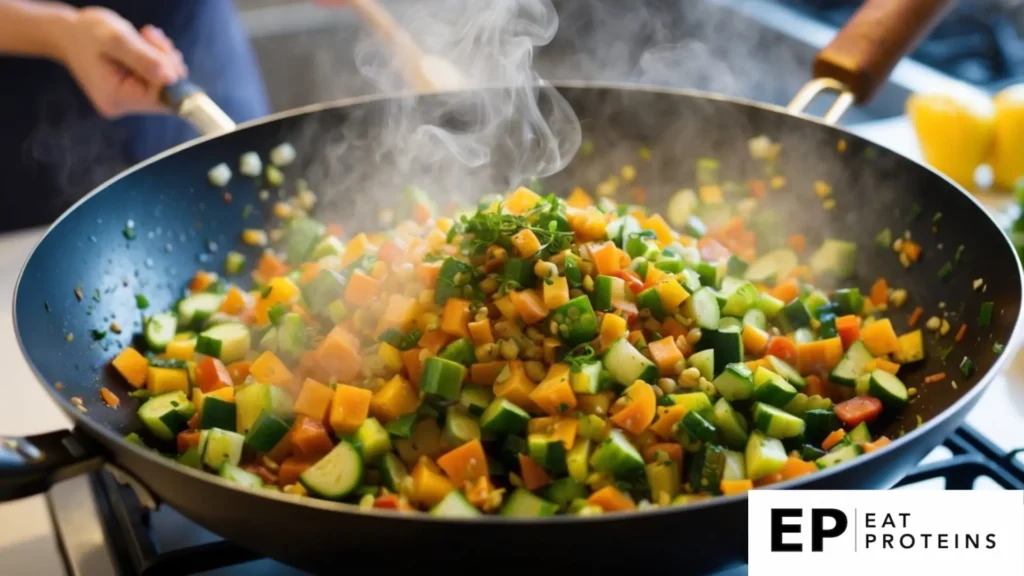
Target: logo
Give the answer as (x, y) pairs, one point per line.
(856, 532)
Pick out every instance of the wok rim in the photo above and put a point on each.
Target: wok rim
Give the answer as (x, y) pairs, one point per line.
(97, 430)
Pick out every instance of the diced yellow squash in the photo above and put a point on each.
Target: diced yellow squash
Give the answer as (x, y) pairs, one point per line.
(672, 293)
(162, 380)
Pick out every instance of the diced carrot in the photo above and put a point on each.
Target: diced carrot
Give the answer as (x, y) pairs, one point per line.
(912, 250)
(819, 355)
(579, 198)
(413, 365)
(833, 438)
(517, 387)
(485, 373)
(455, 317)
(109, 398)
(795, 468)
(933, 378)
(672, 327)
(526, 242)
(387, 502)
(212, 374)
(798, 242)
(639, 412)
(859, 409)
(309, 437)
(606, 258)
(193, 422)
(755, 340)
(610, 499)
(239, 371)
(269, 369)
(768, 480)
(673, 450)
(633, 280)
(730, 487)
(430, 486)
(961, 333)
(133, 366)
(534, 476)
(361, 290)
(554, 395)
(665, 354)
(187, 439)
(529, 306)
(786, 290)
(428, 273)
(480, 332)
(915, 316)
(399, 313)
(783, 348)
(815, 385)
(308, 271)
(878, 444)
(848, 328)
(465, 463)
(349, 408)
(879, 293)
(235, 301)
(434, 341)
(396, 398)
(202, 280)
(880, 337)
(314, 399)
(339, 355)
(667, 418)
(270, 266)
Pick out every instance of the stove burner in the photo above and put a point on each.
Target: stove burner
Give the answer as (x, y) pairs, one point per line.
(163, 543)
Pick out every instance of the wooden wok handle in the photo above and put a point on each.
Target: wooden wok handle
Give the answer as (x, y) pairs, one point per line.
(879, 34)
(191, 103)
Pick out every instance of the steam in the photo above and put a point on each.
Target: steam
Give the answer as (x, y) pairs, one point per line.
(508, 127)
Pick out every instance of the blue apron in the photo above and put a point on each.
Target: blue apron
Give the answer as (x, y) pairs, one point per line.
(54, 147)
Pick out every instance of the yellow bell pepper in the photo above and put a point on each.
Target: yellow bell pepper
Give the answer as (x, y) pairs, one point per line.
(1008, 152)
(956, 135)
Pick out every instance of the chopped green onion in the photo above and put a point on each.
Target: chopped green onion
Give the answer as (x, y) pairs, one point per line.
(936, 217)
(944, 352)
(959, 256)
(915, 211)
(128, 232)
(997, 348)
(99, 334)
(966, 366)
(141, 302)
(884, 238)
(945, 271)
(985, 316)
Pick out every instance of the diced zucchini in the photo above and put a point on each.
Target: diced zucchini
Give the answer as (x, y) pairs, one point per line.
(607, 291)
(291, 336)
(324, 289)
(220, 447)
(651, 301)
(195, 309)
(731, 424)
(704, 361)
(664, 479)
(524, 504)
(229, 342)
(741, 295)
(772, 265)
(852, 366)
(694, 402)
(756, 318)
(859, 435)
(217, 413)
(728, 346)
(736, 266)
(503, 417)
(577, 461)
(617, 456)
(191, 458)
(819, 424)
(169, 378)
(254, 399)
(460, 351)
(373, 440)
(735, 465)
(159, 331)
(547, 451)
(811, 453)
(699, 427)
(702, 306)
(330, 245)
(770, 305)
(234, 474)
(392, 472)
(848, 301)
(770, 388)
(776, 423)
(911, 348)
(735, 382)
(454, 505)
(301, 237)
(730, 324)
(266, 432)
(564, 490)
(627, 365)
(442, 378)
(836, 258)
(764, 456)
(475, 399)
(167, 414)
(335, 475)
(794, 315)
(801, 403)
(790, 374)
(889, 389)
(459, 428)
(840, 455)
(707, 469)
(587, 380)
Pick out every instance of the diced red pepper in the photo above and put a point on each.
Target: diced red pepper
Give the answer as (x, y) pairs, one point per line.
(633, 280)
(860, 409)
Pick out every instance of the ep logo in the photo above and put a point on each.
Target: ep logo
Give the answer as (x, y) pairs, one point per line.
(787, 528)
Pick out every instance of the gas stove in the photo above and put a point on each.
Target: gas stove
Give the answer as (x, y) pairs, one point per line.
(157, 542)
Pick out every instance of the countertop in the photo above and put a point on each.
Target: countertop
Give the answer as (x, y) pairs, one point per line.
(27, 541)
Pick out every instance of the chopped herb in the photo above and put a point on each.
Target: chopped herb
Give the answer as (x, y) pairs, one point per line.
(944, 352)
(936, 217)
(410, 340)
(143, 393)
(99, 334)
(915, 211)
(985, 316)
(884, 238)
(246, 211)
(967, 366)
(129, 232)
(579, 356)
(265, 292)
(396, 338)
(997, 348)
(96, 294)
(167, 363)
(563, 407)
(78, 292)
(276, 312)
(959, 255)
(141, 302)
(46, 306)
(945, 271)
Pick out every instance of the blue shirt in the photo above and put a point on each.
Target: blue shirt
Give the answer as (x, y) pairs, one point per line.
(54, 147)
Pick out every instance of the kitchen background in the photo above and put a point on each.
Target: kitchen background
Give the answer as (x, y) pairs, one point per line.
(753, 48)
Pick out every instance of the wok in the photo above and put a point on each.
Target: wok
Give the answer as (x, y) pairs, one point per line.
(177, 215)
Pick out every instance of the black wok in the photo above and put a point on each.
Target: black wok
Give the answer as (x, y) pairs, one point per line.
(177, 214)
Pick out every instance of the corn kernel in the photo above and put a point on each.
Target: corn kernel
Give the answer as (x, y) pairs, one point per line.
(254, 237)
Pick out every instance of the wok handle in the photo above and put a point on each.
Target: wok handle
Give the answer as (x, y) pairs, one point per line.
(192, 104)
(32, 464)
(857, 62)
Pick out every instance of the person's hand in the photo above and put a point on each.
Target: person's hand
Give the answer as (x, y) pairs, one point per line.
(120, 69)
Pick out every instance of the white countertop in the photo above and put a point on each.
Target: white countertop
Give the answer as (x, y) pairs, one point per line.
(27, 542)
